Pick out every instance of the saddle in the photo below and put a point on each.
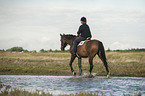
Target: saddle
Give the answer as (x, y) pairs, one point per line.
(82, 42)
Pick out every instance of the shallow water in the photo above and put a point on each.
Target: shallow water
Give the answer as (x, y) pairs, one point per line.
(70, 84)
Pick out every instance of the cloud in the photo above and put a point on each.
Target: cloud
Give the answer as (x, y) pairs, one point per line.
(37, 27)
(118, 45)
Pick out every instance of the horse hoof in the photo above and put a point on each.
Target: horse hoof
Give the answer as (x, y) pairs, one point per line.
(91, 76)
(74, 73)
(80, 74)
(108, 76)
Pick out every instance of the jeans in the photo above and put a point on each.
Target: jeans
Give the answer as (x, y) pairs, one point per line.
(76, 42)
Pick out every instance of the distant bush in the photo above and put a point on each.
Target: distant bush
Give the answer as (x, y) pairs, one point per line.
(127, 50)
(15, 49)
(43, 51)
(108, 50)
(2, 50)
(50, 50)
(57, 50)
(26, 51)
(33, 51)
(20, 49)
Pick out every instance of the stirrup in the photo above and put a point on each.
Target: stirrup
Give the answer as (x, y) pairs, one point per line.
(77, 55)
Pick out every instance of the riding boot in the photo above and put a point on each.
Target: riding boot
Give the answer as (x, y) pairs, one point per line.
(73, 53)
(76, 42)
(74, 49)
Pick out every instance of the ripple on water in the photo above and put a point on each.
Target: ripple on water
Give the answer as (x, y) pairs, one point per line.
(70, 84)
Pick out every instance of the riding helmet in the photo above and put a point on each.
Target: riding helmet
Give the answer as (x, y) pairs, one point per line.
(83, 19)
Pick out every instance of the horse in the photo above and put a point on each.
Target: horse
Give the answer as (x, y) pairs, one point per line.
(88, 50)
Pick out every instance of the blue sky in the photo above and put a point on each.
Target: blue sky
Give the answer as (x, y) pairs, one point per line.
(35, 24)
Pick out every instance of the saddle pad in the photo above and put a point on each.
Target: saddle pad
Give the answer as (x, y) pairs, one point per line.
(82, 42)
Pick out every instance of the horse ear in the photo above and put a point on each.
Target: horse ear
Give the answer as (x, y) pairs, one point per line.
(60, 34)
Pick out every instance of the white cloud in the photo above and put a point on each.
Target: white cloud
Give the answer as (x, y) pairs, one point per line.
(118, 45)
(41, 24)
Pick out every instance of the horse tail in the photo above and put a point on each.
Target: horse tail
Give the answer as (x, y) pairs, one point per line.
(101, 54)
(101, 50)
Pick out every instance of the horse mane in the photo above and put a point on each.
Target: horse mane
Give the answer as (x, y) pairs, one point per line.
(69, 36)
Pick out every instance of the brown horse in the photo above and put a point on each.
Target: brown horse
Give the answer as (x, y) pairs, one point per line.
(89, 49)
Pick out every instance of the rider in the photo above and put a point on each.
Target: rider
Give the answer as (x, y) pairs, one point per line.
(83, 33)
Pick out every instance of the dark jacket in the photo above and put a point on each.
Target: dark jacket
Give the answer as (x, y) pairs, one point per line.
(84, 31)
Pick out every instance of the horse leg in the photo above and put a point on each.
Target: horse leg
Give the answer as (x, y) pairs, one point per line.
(79, 64)
(103, 58)
(71, 61)
(92, 55)
(91, 63)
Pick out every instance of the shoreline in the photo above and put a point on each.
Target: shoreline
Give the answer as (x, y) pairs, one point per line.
(21, 75)
(30, 74)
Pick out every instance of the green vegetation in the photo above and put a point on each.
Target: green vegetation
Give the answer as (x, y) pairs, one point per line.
(20, 49)
(43, 51)
(57, 63)
(15, 49)
(6, 91)
(127, 50)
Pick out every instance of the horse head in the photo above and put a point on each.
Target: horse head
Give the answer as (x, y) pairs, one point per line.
(66, 39)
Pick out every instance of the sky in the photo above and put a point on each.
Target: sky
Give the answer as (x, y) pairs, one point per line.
(37, 24)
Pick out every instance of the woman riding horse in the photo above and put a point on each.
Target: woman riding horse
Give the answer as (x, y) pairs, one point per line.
(83, 34)
(88, 49)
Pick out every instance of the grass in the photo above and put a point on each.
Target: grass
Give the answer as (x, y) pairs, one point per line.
(120, 64)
